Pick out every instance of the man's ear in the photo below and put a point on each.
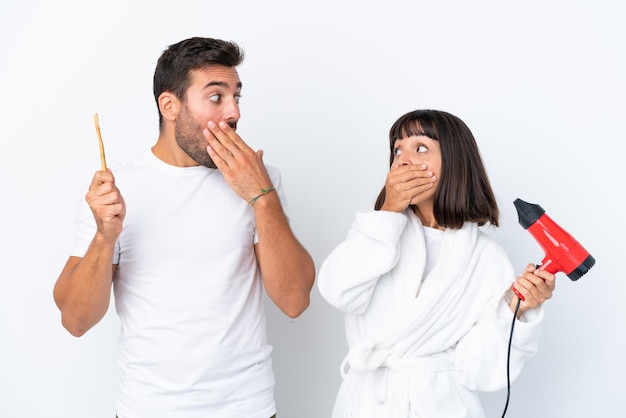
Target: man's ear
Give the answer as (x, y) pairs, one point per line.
(169, 106)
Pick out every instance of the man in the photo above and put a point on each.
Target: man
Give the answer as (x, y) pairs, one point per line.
(188, 234)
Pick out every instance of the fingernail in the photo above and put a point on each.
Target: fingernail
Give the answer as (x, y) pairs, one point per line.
(211, 124)
(222, 124)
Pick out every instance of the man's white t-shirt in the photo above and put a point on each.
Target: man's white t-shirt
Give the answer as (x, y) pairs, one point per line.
(188, 293)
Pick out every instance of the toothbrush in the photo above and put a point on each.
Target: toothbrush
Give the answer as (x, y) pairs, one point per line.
(103, 162)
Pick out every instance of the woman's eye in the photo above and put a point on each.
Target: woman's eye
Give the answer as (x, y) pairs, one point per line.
(215, 98)
(396, 152)
(422, 148)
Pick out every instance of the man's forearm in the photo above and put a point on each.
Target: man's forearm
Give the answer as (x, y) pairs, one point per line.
(83, 290)
(287, 268)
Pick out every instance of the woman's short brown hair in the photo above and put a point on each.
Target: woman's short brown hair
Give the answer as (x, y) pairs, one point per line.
(464, 193)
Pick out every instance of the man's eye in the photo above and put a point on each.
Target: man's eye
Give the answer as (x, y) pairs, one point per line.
(215, 98)
(422, 148)
(237, 98)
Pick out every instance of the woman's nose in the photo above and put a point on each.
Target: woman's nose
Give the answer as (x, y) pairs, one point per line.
(402, 160)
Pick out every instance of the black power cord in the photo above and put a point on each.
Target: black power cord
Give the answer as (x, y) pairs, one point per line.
(508, 359)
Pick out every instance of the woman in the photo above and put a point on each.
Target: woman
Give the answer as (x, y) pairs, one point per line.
(427, 294)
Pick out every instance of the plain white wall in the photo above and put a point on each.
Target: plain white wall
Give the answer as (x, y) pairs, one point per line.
(540, 83)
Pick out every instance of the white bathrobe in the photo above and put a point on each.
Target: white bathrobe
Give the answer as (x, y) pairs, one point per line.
(422, 346)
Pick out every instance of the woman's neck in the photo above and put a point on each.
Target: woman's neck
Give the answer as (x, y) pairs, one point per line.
(427, 216)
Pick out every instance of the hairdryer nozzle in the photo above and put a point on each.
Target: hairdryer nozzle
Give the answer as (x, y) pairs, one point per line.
(527, 213)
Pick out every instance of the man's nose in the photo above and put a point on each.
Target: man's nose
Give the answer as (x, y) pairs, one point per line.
(231, 111)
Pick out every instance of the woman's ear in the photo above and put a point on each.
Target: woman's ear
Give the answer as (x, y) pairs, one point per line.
(169, 106)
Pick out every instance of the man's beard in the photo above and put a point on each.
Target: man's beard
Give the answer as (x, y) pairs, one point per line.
(190, 138)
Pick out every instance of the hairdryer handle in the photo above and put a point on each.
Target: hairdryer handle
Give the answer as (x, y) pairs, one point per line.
(517, 293)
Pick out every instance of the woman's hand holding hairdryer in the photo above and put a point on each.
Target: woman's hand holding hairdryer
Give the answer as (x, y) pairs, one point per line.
(533, 288)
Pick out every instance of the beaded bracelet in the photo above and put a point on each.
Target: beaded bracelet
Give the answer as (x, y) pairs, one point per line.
(263, 193)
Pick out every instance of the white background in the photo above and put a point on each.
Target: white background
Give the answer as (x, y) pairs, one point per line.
(540, 83)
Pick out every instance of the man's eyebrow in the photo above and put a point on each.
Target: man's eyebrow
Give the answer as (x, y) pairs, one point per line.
(222, 84)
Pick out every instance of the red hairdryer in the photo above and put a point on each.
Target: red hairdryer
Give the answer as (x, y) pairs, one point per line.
(562, 251)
